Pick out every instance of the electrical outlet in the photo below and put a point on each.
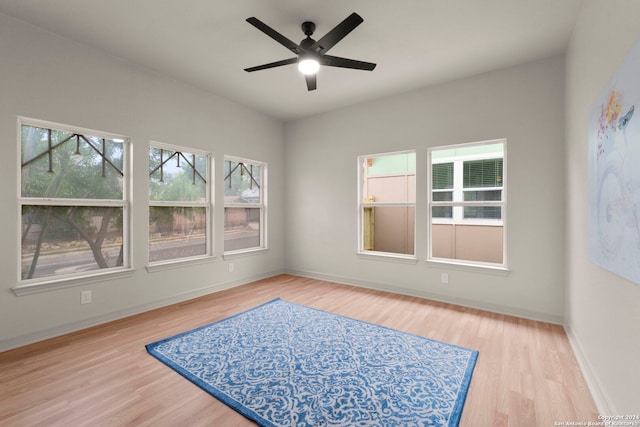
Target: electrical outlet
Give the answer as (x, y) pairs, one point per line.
(232, 267)
(85, 297)
(444, 278)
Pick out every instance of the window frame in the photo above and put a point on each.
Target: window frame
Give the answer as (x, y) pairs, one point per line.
(58, 281)
(458, 203)
(261, 205)
(361, 204)
(207, 204)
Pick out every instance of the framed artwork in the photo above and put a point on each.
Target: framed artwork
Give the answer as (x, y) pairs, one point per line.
(613, 136)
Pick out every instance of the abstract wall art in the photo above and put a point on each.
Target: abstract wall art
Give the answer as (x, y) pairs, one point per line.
(613, 136)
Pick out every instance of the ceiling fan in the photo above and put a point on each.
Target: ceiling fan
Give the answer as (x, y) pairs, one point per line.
(312, 53)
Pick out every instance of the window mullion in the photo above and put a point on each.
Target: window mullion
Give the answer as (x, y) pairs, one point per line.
(469, 203)
(179, 204)
(243, 205)
(458, 193)
(71, 202)
(391, 204)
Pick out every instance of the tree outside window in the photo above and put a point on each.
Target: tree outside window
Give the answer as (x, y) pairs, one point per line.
(179, 204)
(244, 205)
(73, 199)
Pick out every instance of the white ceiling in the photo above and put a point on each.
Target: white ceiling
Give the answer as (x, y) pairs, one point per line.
(207, 43)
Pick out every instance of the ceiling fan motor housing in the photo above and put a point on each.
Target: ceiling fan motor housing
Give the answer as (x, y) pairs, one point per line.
(308, 28)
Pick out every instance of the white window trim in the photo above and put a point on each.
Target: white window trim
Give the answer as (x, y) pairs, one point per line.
(243, 252)
(500, 270)
(153, 266)
(388, 257)
(379, 255)
(178, 263)
(461, 221)
(45, 284)
(262, 206)
(63, 282)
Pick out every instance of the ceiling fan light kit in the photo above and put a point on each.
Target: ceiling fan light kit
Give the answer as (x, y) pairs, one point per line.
(308, 66)
(312, 53)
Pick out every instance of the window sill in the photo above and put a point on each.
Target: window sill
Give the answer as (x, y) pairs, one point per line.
(183, 262)
(469, 266)
(243, 253)
(63, 283)
(389, 257)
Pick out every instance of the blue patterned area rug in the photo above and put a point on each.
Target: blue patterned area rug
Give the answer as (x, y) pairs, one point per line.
(283, 364)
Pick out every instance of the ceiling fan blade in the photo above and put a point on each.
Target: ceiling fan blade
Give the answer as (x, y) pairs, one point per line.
(293, 47)
(272, 65)
(336, 61)
(311, 81)
(338, 33)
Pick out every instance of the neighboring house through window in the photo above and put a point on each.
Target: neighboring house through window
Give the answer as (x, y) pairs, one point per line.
(467, 203)
(387, 200)
(73, 202)
(244, 205)
(179, 204)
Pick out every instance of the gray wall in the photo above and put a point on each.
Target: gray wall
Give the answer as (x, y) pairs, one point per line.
(602, 314)
(47, 77)
(524, 104)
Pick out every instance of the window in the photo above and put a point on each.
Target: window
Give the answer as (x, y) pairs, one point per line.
(73, 202)
(244, 205)
(467, 203)
(179, 204)
(387, 200)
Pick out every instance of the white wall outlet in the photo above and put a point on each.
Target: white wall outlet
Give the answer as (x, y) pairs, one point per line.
(85, 297)
(232, 267)
(444, 278)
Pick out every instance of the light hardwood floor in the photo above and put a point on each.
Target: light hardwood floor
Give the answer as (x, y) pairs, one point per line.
(526, 374)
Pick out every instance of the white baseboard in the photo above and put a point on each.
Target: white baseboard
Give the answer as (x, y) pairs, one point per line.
(494, 308)
(44, 334)
(603, 403)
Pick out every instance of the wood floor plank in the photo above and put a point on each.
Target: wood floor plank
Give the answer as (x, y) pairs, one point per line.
(526, 374)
